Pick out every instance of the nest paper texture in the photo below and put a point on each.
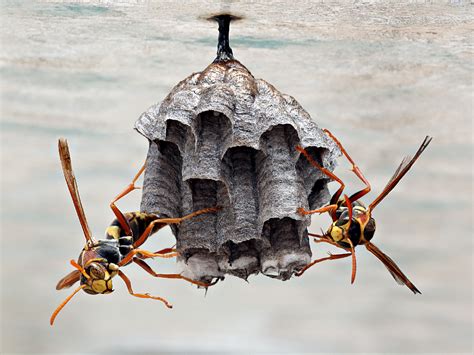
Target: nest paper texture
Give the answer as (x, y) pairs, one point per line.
(223, 138)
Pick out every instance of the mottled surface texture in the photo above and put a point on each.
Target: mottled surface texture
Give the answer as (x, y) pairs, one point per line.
(222, 137)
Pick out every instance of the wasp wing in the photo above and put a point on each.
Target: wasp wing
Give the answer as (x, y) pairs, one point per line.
(402, 169)
(394, 270)
(69, 280)
(72, 185)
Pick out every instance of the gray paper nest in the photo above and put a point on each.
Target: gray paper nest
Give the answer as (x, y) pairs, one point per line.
(223, 138)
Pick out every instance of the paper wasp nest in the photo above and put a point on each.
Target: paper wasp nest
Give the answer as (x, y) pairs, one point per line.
(223, 138)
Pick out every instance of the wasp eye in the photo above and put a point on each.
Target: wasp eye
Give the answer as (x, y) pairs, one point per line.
(97, 271)
(343, 218)
(369, 229)
(340, 211)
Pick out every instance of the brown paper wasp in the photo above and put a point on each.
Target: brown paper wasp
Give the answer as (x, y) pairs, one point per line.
(101, 260)
(353, 223)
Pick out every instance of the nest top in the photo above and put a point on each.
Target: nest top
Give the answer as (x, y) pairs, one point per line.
(253, 107)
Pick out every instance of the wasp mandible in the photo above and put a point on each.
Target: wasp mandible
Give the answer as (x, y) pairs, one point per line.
(353, 223)
(101, 260)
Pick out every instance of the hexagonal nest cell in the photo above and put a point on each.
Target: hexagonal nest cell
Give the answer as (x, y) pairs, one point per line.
(223, 138)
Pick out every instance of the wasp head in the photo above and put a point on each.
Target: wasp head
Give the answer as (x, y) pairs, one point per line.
(100, 274)
(99, 266)
(361, 228)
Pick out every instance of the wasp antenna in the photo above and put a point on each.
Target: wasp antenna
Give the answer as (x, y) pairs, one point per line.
(72, 186)
(61, 306)
(80, 268)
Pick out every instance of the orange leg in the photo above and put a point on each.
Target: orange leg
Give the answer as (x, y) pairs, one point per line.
(162, 254)
(325, 240)
(141, 295)
(118, 214)
(166, 251)
(330, 257)
(145, 254)
(354, 264)
(348, 203)
(148, 229)
(329, 208)
(326, 172)
(148, 269)
(355, 169)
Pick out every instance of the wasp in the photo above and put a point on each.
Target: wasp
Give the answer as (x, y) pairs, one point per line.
(352, 222)
(101, 260)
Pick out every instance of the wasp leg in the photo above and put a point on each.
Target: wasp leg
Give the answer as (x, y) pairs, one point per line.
(148, 269)
(322, 239)
(330, 257)
(164, 253)
(355, 169)
(149, 229)
(329, 208)
(160, 254)
(322, 236)
(326, 172)
(354, 263)
(166, 250)
(141, 295)
(120, 217)
(348, 203)
(349, 241)
(145, 254)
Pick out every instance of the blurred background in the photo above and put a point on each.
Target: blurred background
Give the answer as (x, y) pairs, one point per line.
(380, 75)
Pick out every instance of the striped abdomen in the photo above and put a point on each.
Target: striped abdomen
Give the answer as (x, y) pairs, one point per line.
(138, 222)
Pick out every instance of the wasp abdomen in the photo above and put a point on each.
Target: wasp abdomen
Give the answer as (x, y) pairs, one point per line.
(138, 222)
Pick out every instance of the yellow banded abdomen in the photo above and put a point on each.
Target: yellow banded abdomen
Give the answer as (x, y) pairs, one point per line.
(138, 222)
